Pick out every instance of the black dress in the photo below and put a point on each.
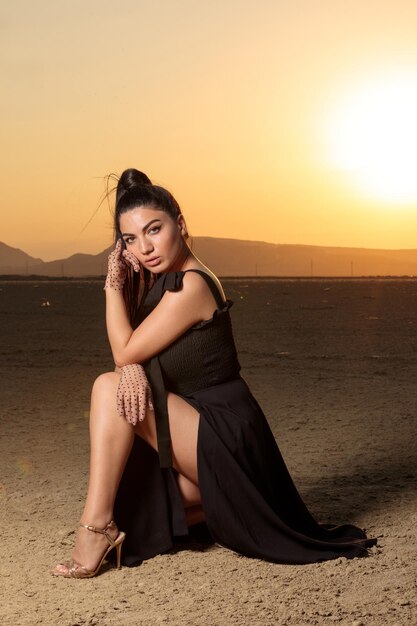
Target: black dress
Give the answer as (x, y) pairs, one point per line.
(249, 499)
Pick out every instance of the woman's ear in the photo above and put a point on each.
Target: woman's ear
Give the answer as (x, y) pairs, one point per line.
(182, 226)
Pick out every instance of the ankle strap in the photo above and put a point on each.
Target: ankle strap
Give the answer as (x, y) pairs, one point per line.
(102, 531)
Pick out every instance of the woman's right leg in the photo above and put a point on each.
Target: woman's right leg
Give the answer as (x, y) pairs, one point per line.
(111, 439)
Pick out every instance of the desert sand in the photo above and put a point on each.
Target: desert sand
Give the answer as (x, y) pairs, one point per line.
(333, 363)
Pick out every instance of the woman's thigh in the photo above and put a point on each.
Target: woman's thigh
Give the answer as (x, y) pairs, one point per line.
(183, 421)
(183, 426)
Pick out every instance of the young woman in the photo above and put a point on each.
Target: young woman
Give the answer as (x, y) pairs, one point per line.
(176, 436)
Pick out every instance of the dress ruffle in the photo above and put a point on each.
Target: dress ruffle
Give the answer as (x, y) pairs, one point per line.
(172, 281)
(217, 313)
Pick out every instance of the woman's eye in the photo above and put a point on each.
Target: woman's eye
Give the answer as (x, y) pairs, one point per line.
(128, 240)
(154, 230)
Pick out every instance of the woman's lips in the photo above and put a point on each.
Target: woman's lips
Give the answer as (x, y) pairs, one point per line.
(153, 262)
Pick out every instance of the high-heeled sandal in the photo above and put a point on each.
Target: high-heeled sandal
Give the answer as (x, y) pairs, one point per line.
(77, 570)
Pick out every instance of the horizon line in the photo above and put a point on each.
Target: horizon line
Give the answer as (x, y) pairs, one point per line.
(251, 241)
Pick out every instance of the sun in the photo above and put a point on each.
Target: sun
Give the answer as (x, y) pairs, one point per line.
(372, 136)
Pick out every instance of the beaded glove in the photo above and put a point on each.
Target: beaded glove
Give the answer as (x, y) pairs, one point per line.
(134, 394)
(117, 267)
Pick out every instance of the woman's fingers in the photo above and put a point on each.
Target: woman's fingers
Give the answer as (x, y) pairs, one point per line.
(149, 399)
(116, 269)
(142, 407)
(130, 258)
(117, 249)
(116, 257)
(128, 407)
(134, 394)
(134, 410)
(139, 410)
(120, 402)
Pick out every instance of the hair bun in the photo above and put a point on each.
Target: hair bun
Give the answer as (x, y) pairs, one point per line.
(131, 179)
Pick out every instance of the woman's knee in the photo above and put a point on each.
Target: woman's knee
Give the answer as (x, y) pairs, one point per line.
(105, 383)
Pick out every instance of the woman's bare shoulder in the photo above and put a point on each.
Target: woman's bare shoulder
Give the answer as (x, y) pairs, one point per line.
(203, 268)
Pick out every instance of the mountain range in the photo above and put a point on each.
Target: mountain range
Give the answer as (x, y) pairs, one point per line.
(235, 257)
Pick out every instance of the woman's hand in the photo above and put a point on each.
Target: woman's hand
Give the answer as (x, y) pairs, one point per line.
(134, 394)
(118, 265)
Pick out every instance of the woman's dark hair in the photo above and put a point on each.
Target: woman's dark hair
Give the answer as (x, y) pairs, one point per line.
(134, 189)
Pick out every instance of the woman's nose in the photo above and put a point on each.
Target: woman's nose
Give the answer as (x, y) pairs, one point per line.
(145, 245)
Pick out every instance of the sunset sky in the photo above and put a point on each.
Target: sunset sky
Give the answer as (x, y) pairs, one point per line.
(287, 121)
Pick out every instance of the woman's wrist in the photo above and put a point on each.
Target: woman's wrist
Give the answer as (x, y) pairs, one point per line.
(113, 283)
(110, 288)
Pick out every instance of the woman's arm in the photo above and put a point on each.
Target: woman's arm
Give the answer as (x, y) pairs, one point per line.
(176, 312)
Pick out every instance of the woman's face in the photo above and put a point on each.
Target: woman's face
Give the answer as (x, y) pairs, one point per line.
(155, 238)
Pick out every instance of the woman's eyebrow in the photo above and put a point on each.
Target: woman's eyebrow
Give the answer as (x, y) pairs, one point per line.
(156, 219)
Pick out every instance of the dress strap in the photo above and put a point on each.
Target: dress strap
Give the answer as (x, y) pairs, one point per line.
(212, 285)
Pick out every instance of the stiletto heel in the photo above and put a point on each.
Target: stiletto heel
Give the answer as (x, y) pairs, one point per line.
(77, 570)
(119, 554)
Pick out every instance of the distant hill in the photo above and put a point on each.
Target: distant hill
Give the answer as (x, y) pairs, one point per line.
(235, 257)
(15, 261)
(75, 265)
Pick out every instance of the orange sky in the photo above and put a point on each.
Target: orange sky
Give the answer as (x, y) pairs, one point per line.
(230, 104)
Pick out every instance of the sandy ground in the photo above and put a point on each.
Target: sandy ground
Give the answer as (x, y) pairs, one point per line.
(334, 366)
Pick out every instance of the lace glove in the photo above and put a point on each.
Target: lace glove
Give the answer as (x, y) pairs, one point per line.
(134, 394)
(118, 265)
